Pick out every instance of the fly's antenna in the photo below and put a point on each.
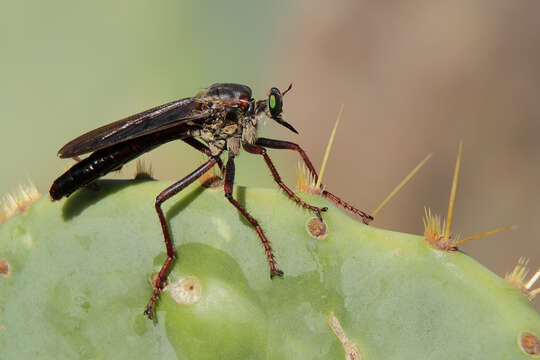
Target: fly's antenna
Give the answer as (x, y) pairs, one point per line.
(286, 91)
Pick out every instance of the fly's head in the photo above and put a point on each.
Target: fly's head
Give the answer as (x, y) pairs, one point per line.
(272, 107)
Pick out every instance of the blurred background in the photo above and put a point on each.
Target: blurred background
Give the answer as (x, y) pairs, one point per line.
(415, 77)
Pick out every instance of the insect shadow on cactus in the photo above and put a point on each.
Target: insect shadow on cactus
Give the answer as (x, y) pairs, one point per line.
(81, 200)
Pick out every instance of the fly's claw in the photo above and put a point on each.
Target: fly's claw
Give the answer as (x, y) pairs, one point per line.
(366, 219)
(318, 212)
(158, 285)
(149, 312)
(276, 272)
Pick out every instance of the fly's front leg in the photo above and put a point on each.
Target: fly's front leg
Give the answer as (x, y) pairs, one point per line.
(166, 194)
(228, 187)
(254, 149)
(279, 144)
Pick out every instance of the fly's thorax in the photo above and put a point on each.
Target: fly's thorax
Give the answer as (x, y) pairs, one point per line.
(228, 128)
(215, 145)
(228, 91)
(219, 138)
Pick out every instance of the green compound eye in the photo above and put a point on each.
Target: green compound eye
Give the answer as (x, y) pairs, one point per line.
(272, 101)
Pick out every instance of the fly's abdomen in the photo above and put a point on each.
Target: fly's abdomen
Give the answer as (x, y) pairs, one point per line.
(63, 186)
(106, 160)
(95, 166)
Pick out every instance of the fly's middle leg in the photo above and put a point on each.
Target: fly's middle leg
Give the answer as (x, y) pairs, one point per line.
(161, 279)
(228, 187)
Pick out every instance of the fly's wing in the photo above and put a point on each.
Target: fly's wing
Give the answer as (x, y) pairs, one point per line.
(156, 119)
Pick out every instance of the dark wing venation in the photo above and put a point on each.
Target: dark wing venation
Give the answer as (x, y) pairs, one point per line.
(156, 119)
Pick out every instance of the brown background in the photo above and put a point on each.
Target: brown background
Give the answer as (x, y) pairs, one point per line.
(417, 77)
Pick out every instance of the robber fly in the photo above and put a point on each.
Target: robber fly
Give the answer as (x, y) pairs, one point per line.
(224, 117)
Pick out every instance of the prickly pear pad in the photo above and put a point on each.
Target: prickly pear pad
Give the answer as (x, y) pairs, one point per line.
(80, 275)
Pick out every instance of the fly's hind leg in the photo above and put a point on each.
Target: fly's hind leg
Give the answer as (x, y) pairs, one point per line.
(228, 187)
(279, 144)
(166, 194)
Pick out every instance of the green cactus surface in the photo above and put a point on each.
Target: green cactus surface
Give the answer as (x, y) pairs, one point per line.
(81, 269)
